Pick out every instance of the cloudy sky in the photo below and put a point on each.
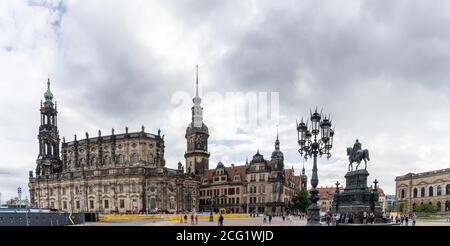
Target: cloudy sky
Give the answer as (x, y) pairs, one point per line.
(381, 68)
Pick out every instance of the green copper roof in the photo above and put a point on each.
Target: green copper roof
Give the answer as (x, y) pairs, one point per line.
(48, 95)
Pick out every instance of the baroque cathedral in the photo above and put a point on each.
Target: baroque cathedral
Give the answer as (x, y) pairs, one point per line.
(126, 173)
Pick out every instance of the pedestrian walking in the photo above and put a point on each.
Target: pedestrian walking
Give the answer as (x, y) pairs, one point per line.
(333, 220)
(406, 220)
(196, 219)
(185, 218)
(290, 219)
(192, 219)
(328, 219)
(365, 217)
(220, 219)
(338, 217)
(270, 218)
(414, 219)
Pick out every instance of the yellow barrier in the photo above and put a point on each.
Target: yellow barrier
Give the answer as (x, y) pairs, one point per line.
(107, 217)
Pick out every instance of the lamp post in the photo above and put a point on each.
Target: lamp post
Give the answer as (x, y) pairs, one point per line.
(315, 139)
(211, 216)
(337, 195)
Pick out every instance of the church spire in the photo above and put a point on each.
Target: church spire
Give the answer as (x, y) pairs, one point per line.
(277, 142)
(196, 82)
(48, 95)
(197, 110)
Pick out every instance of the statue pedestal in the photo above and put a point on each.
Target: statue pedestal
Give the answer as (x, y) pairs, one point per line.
(356, 180)
(357, 198)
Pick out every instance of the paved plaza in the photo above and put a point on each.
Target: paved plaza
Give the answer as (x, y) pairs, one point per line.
(258, 221)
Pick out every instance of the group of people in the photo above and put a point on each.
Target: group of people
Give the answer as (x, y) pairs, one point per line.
(194, 219)
(403, 219)
(338, 218)
(368, 218)
(267, 218)
(348, 218)
(184, 218)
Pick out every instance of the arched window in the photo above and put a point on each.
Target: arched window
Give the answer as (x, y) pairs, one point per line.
(430, 191)
(447, 206)
(93, 161)
(447, 189)
(422, 192)
(402, 193)
(134, 158)
(438, 206)
(414, 207)
(120, 160)
(439, 190)
(415, 192)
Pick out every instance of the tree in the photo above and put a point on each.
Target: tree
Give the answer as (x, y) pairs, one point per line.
(427, 208)
(301, 201)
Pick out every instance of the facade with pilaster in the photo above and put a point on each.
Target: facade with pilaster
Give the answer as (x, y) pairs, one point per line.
(261, 186)
(116, 173)
(431, 187)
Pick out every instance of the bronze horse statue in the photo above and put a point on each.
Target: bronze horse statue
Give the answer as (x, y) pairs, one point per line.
(357, 157)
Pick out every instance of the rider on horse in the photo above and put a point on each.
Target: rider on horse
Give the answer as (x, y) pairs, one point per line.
(356, 148)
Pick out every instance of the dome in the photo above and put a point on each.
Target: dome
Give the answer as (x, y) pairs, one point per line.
(277, 155)
(191, 128)
(48, 95)
(197, 100)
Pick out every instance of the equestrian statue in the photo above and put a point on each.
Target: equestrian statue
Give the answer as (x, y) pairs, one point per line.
(356, 154)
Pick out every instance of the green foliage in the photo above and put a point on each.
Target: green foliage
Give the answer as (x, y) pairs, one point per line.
(426, 208)
(390, 208)
(301, 201)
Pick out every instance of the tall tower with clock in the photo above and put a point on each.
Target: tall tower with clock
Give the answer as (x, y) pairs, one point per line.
(197, 155)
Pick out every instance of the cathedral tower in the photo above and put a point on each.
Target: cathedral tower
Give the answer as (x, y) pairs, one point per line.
(48, 160)
(197, 156)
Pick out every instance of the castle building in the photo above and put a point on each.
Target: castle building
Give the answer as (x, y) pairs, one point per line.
(414, 189)
(117, 173)
(261, 186)
(127, 173)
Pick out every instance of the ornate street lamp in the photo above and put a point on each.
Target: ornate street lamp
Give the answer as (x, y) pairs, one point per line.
(315, 138)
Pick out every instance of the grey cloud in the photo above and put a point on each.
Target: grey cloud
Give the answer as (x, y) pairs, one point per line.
(380, 68)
